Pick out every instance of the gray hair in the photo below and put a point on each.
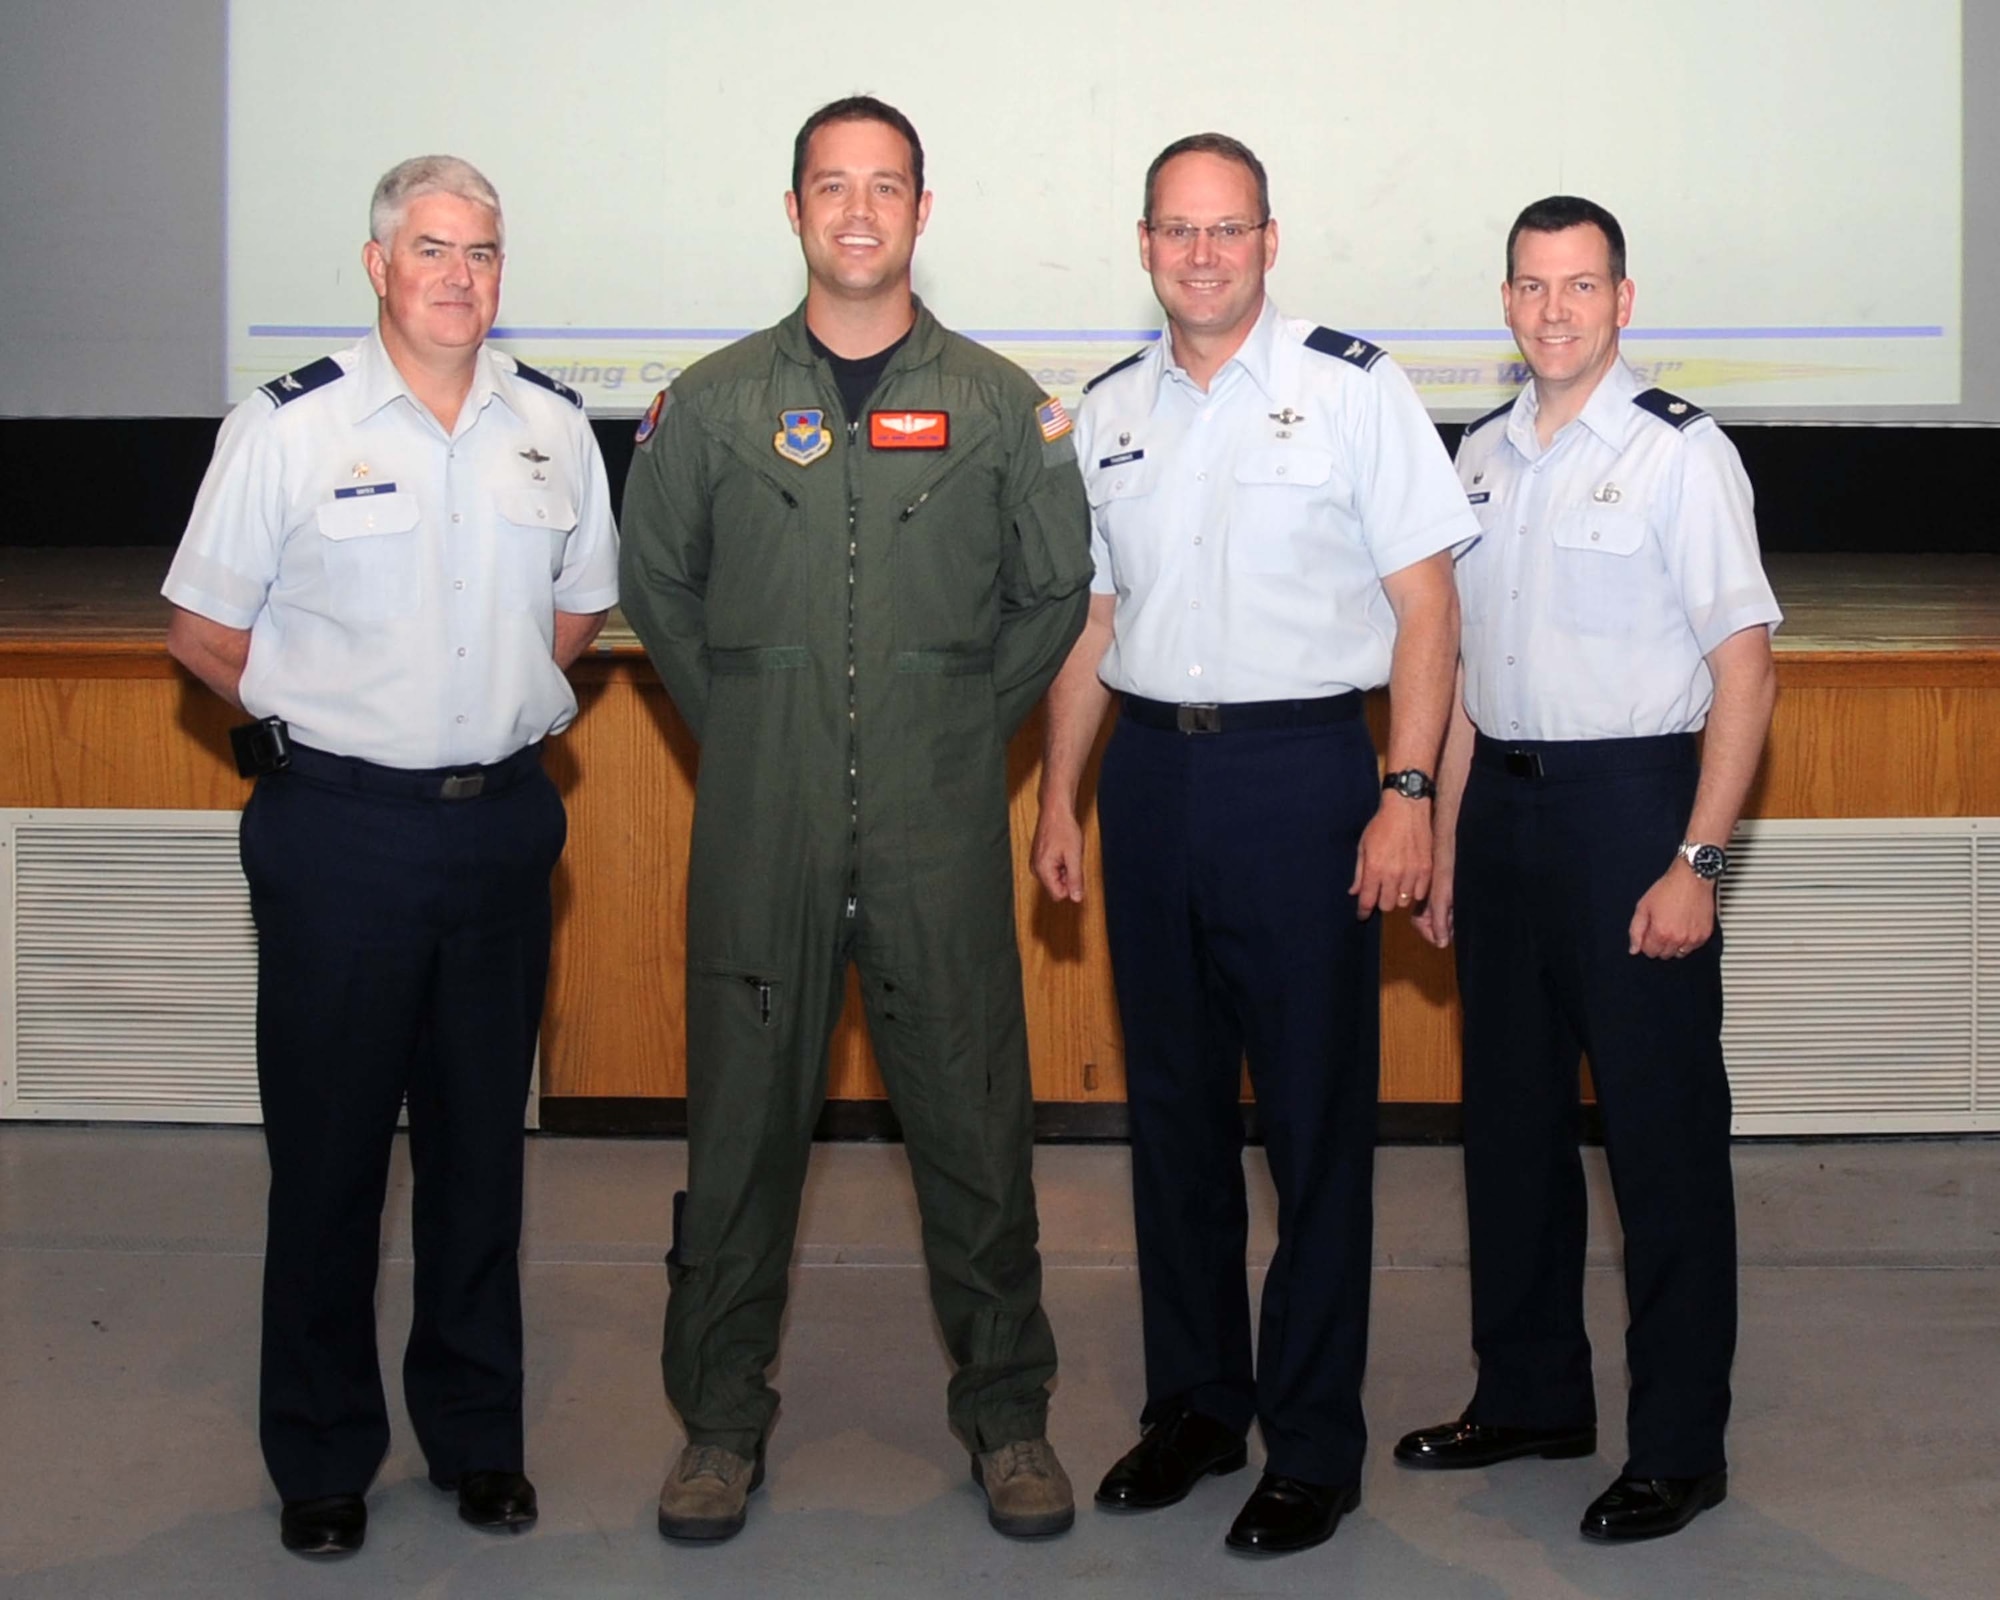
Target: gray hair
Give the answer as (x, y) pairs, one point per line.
(422, 175)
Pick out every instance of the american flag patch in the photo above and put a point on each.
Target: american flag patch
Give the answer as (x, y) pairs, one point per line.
(1053, 419)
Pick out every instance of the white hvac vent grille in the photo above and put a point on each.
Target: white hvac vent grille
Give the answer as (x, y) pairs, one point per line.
(131, 971)
(1856, 993)
(128, 969)
(1986, 977)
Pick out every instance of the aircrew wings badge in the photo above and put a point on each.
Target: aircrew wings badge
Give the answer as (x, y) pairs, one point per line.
(803, 439)
(1053, 419)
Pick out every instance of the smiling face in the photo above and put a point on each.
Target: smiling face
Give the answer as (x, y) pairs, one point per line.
(1210, 291)
(857, 212)
(1565, 309)
(439, 279)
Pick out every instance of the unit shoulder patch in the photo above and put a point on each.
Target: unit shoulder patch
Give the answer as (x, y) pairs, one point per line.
(1115, 368)
(542, 380)
(1494, 415)
(651, 419)
(314, 375)
(1345, 347)
(1668, 407)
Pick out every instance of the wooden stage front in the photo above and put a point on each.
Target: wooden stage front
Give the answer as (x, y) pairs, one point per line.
(1889, 706)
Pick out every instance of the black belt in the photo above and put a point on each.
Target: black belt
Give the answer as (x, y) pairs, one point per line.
(1583, 758)
(411, 783)
(1242, 716)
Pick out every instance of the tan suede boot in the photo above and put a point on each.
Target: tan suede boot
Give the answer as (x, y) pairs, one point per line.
(1027, 1492)
(703, 1497)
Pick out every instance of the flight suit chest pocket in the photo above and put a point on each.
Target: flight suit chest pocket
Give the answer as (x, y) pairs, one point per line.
(369, 550)
(1280, 493)
(1603, 569)
(531, 528)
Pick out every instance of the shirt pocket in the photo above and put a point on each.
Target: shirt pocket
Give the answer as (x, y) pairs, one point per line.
(1602, 569)
(531, 528)
(369, 547)
(1122, 509)
(1281, 492)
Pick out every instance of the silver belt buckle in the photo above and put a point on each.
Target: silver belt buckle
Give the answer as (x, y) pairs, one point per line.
(1198, 719)
(462, 786)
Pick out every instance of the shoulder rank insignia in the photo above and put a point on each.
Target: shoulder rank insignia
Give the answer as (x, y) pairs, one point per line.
(803, 439)
(542, 380)
(1669, 408)
(651, 419)
(1345, 346)
(1494, 415)
(1114, 368)
(315, 375)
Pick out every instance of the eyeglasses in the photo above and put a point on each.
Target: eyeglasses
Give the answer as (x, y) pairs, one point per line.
(1183, 234)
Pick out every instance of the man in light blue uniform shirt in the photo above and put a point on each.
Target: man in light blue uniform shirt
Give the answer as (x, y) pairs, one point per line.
(397, 552)
(1273, 515)
(1615, 606)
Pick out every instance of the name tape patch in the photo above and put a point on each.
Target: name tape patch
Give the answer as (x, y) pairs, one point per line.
(909, 430)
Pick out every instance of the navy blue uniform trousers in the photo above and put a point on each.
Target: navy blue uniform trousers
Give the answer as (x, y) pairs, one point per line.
(402, 946)
(1551, 865)
(1227, 858)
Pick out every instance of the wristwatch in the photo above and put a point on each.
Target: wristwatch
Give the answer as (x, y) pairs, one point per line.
(1411, 784)
(1709, 861)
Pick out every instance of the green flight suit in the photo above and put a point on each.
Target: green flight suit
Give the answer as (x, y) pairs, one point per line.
(853, 630)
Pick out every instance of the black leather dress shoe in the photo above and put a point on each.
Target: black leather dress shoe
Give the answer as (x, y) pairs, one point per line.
(1174, 1454)
(331, 1525)
(1453, 1445)
(1287, 1514)
(1651, 1508)
(495, 1502)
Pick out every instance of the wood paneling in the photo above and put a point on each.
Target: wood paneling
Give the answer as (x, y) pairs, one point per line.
(1888, 706)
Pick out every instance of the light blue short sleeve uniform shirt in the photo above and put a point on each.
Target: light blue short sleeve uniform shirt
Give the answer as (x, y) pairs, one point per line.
(1612, 562)
(400, 580)
(1246, 530)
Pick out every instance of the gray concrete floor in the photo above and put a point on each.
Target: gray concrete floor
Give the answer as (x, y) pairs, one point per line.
(1863, 1450)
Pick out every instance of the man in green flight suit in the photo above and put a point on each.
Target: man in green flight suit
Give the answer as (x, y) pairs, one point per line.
(856, 548)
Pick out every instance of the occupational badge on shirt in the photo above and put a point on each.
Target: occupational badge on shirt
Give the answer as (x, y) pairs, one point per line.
(909, 430)
(360, 469)
(1053, 420)
(651, 419)
(532, 455)
(803, 439)
(1607, 494)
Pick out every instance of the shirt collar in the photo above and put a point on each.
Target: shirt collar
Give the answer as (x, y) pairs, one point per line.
(379, 383)
(1608, 412)
(1256, 355)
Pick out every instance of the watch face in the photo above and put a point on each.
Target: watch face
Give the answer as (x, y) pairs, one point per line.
(1708, 860)
(1411, 784)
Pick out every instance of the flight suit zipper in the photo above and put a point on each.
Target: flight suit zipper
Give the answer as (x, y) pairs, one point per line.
(853, 687)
